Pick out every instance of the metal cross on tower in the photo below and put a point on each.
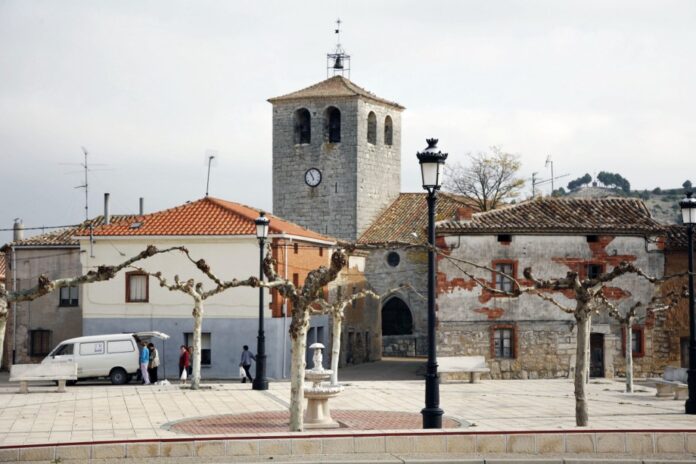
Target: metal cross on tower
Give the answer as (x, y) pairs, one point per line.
(338, 62)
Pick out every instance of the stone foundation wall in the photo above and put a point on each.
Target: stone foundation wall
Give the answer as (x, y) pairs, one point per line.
(404, 346)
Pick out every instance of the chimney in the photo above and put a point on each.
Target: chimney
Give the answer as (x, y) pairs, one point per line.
(107, 216)
(18, 230)
(142, 206)
(464, 213)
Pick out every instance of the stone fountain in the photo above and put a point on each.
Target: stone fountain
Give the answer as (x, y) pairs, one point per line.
(318, 414)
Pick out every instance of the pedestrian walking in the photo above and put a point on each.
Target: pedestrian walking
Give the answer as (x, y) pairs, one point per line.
(154, 363)
(144, 363)
(247, 357)
(184, 363)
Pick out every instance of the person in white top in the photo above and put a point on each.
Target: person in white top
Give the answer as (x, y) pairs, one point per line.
(245, 363)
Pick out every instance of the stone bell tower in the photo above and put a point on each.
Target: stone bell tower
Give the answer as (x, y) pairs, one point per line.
(336, 154)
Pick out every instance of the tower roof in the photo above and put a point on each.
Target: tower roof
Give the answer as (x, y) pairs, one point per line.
(336, 86)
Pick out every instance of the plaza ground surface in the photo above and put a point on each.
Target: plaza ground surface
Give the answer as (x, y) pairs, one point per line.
(101, 412)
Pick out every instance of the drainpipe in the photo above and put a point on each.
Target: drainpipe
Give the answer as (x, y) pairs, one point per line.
(285, 304)
(14, 306)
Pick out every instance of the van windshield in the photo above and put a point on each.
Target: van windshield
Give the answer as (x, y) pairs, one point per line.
(63, 350)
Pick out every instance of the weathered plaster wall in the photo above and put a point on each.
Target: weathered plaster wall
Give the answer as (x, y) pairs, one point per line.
(544, 340)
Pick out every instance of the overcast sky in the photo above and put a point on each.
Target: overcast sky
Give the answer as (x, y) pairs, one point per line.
(148, 86)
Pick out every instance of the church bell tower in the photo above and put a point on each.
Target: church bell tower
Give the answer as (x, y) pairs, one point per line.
(336, 153)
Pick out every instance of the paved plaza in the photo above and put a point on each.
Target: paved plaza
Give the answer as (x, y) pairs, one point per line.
(101, 412)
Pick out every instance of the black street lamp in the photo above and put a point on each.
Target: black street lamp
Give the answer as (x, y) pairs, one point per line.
(688, 208)
(260, 382)
(431, 161)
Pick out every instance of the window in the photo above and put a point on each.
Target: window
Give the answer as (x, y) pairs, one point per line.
(296, 248)
(332, 125)
(68, 296)
(503, 343)
(91, 348)
(592, 238)
(503, 282)
(120, 346)
(137, 290)
(206, 354)
(303, 126)
(388, 131)
(372, 128)
(684, 348)
(594, 270)
(393, 258)
(637, 341)
(40, 342)
(321, 251)
(505, 238)
(64, 350)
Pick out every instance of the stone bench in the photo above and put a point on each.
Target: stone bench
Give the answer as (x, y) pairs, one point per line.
(672, 384)
(459, 368)
(54, 372)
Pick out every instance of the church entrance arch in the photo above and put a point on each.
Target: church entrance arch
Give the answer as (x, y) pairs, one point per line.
(396, 318)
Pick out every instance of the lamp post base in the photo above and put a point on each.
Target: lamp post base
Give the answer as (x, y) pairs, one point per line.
(690, 406)
(432, 418)
(260, 382)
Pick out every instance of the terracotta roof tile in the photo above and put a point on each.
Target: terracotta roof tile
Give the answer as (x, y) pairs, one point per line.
(207, 216)
(408, 214)
(561, 215)
(336, 86)
(676, 237)
(64, 237)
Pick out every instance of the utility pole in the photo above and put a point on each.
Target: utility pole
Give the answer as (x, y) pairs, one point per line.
(550, 161)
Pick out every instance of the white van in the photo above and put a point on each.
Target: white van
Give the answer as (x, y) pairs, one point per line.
(115, 356)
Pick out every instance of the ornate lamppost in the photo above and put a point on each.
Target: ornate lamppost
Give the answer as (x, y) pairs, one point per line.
(260, 382)
(431, 161)
(688, 208)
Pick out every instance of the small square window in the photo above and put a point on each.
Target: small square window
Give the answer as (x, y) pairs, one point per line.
(69, 296)
(296, 248)
(206, 353)
(594, 270)
(592, 238)
(505, 238)
(502, 281)
(137, 290)
(503, 343)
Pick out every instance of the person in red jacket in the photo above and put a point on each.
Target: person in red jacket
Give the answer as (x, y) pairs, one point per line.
(184, 363)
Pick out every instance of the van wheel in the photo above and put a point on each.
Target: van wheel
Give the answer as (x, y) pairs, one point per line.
(118, 376)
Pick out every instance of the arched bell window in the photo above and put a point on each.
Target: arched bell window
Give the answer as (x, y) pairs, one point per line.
(332, 125)
(303, 126)
(372, 128)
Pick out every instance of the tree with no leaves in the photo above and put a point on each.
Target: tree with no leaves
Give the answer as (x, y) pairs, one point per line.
(488, 178)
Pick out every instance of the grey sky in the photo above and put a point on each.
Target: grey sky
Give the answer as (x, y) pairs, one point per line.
(147, 87)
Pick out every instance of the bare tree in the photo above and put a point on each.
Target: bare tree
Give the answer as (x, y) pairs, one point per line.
(45, 285)
(487, 178)
(199, 294)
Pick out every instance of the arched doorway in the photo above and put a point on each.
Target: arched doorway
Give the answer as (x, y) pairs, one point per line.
(396, 318)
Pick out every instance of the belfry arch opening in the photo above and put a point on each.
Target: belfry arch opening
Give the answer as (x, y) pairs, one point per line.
(396, 318)
(332, 125)
(303, 126)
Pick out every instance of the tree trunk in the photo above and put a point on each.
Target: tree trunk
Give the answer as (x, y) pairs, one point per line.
(3, 325)
(336, 345)
(197, 327)
(581, 415)
(628, 346)
(297, 367)
(588, 364)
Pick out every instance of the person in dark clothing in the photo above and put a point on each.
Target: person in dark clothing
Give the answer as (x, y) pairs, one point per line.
(245, 362)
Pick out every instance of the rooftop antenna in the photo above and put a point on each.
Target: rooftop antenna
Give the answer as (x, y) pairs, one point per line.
(210, 155)
(338, 62)
(535, 181)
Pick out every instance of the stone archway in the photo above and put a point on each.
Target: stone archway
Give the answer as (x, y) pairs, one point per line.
(396, 318)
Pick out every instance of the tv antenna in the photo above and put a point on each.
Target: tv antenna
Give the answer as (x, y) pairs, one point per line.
(338, 62)
(86, 169)
(210, 155)
(536, 181)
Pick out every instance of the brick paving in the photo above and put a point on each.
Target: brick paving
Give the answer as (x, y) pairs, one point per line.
(269, 422)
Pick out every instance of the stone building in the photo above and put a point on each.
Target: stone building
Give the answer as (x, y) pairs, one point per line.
(336, 157)
(524, 336)
(400, 274)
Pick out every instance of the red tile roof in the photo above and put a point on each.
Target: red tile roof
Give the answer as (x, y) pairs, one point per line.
(408, 214)
(64, 237)
(676, 238)
(562, 215)
(207, 216)
(336, 86)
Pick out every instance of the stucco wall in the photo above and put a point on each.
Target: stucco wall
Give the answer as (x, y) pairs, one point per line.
(467, 315)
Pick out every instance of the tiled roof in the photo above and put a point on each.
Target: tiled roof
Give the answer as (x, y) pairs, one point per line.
(561, 215)
(408, 214)
(207, 216)
(3, 267)
(64, 237)
(676, 237)
(336, 86)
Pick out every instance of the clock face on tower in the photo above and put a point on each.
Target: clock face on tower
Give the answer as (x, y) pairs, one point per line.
(312, 177)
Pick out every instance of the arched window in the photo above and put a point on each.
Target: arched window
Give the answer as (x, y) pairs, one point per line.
(303, 126)
(396, 318)
(332, 125)
(372, 128)
(388, 131)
